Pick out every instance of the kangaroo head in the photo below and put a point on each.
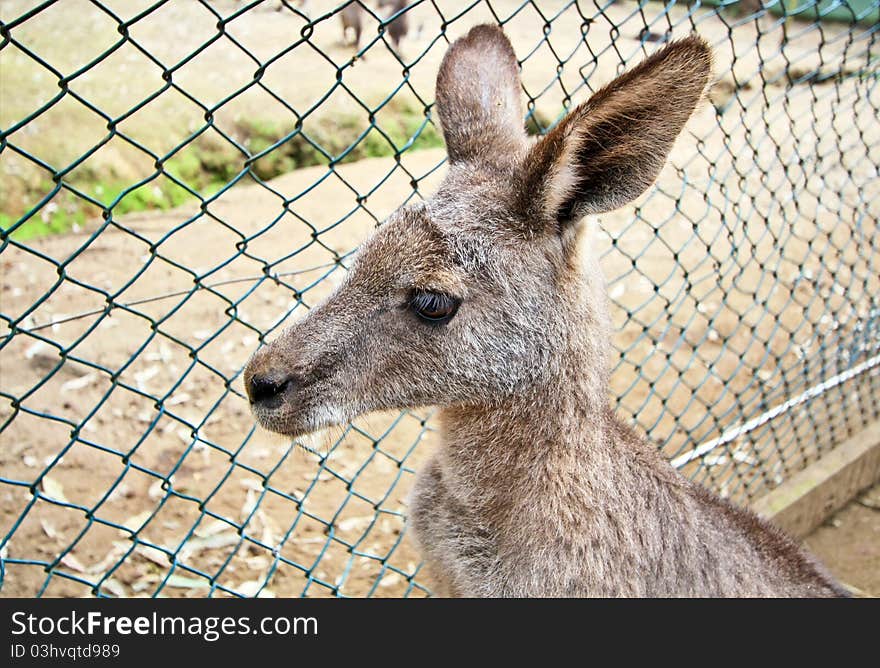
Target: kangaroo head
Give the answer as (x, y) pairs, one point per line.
(478, 293)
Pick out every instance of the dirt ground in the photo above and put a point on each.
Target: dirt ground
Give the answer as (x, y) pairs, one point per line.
(129, 458)
(848, 543)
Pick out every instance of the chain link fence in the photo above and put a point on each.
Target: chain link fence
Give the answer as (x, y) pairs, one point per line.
(180, 180)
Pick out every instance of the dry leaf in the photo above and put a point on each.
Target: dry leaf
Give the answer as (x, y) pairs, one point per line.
(184, 582)
(78, 383)
(35, 349)
(321, 477)
(211, 528)
(354, 522)
(164, 354)
(135, 522)
(112, 557)
(715, 460)
(249, 588)
(252, 483)
(73, 563)
(217, 541)
(268, 536)
(181, 398)
(389, 580)
(53, 489)
(48, 529)
(155, 555)
(250, 503)
(145, 582)
(155, 492)
(121, 491)
(257, 563)
(744, 458)
(114, 587)
(141, 377)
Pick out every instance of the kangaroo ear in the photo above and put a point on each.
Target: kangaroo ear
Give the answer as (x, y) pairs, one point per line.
(479, 100)
(610, 149)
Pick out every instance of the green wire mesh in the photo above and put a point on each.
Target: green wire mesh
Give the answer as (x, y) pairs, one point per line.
(181, 180)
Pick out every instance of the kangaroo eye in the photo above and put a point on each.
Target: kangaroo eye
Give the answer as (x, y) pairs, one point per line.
(434, 307)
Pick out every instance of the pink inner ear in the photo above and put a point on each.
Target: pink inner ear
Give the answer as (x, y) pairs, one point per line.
(610, 149)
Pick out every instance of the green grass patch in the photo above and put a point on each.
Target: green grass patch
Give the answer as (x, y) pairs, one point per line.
(68, 212)
(337, 140)
(862, 12)
(62, 214)
(209, 162)
(42, 225)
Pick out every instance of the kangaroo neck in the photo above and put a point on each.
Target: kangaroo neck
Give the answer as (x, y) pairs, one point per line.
(551, 428)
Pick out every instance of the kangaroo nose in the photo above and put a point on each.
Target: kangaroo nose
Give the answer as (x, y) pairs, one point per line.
(263, 389)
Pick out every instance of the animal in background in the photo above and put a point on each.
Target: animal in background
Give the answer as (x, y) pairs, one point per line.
(399, 27)
(352, 16)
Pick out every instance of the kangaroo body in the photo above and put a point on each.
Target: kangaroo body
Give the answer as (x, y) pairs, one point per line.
(561, 518)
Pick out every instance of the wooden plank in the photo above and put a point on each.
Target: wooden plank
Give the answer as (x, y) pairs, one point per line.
(809, 497)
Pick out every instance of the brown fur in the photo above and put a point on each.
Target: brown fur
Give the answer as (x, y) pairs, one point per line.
(538, 489)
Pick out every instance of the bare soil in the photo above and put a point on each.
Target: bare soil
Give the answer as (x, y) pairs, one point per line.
(848, 543)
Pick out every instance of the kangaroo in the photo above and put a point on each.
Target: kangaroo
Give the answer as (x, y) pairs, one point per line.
(485, 301)
(399, 27)
(351, 16)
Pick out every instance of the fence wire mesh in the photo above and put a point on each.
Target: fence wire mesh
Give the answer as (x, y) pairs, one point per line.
(180, 180)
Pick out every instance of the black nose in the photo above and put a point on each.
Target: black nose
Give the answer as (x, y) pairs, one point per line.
(265, 389)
